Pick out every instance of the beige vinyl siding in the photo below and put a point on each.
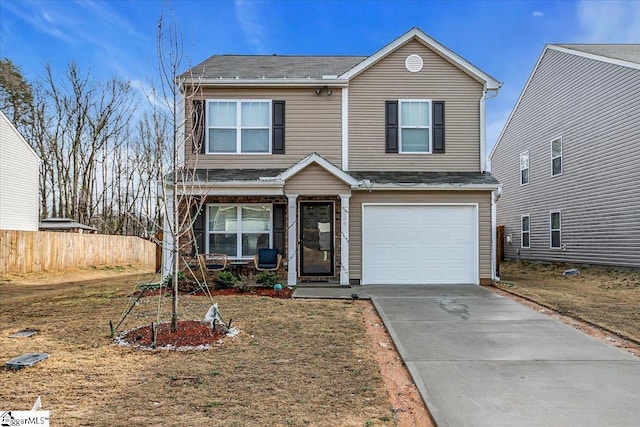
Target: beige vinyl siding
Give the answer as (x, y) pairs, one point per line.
(595, 107)
(482, 198)
(315, 181)
(439, 80)
(19, 174)
(312, 123)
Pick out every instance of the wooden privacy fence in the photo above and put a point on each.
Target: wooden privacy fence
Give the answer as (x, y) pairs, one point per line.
(31, 251)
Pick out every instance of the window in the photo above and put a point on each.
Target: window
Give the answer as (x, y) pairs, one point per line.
(239, 126)
(556, 157)
(524, 168)
(556, 238)
(238, 230)
(525, 231)
(415, 126)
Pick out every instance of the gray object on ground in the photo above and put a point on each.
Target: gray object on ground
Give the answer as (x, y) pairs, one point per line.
(571, 272)
(28, 359)
(24, 333)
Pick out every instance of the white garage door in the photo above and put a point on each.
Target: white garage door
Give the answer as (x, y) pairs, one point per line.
(419, 244)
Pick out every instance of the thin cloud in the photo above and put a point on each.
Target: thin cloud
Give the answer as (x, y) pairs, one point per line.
(609, 22)
(41, 18)
(537, 14)
(251, 19)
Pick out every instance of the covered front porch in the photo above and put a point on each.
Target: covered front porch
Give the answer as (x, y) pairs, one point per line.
(302, 211)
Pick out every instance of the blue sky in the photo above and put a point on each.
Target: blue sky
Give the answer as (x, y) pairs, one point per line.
(117, 38)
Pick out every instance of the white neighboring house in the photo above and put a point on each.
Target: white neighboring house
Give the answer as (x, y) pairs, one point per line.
(19, 180)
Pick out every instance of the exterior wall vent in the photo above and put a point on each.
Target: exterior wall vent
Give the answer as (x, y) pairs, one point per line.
(413, 63)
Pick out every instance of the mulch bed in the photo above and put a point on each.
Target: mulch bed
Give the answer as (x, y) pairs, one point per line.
(284, 293)
(189, 334)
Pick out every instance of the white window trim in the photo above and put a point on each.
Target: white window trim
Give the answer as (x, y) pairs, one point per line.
(528, 167)
(238, 232)
(551, 230)
(560, 156)
(430, 127)
(239, 127)
(522, 231)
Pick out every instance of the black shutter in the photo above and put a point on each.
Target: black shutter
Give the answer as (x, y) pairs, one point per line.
(391, 126)
(198, 229)
(278, 128)
(438, 126)
(279, 228)
(197, 126)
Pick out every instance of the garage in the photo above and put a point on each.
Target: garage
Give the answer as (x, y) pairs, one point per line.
(419, 244)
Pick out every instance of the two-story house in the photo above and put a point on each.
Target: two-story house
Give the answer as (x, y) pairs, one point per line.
(568, 158)
(359, 170)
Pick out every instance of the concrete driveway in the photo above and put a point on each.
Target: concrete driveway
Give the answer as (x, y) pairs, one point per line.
(480, 359)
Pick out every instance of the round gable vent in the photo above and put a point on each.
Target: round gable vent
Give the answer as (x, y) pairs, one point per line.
(413, 63)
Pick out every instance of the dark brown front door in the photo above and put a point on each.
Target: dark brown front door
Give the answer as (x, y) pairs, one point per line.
(316, 239)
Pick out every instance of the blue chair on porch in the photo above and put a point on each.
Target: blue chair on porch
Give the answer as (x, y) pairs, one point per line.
(267, 259)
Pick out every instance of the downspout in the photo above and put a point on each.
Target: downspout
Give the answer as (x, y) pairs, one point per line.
(495, 195)
(483, 131)
(483, 126)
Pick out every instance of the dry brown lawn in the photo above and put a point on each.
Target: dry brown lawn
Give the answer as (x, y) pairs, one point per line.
(294, 363)
(604, 297)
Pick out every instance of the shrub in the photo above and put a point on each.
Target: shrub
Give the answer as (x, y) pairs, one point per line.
(226, 279)
(267, 278)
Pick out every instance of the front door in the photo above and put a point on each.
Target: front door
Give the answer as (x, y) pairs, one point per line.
(316, 239)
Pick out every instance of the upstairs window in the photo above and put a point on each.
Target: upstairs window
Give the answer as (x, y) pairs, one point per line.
(239, 127)
(415, 126)
(524, 168)
(525, 231)
(556, 157)
(555, 230)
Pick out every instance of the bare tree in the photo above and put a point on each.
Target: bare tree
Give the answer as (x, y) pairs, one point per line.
(182, 194)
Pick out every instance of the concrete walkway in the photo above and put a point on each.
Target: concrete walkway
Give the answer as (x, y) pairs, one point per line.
(480, 359)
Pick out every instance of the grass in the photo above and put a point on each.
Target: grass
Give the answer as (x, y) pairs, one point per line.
(604, 297)
(294, 363)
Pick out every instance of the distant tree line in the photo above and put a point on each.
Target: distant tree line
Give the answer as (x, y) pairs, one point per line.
(101, 148)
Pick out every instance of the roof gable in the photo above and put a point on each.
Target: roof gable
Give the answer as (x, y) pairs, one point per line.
(626, 55)
(278, 70)
(584, 51)
(12, 129)
(417, 34)
(315, 158)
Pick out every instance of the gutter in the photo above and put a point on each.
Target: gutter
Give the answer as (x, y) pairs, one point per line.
(422, 186)
(264, 82)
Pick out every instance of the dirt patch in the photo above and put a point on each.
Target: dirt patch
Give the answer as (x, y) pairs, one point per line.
(406, 402)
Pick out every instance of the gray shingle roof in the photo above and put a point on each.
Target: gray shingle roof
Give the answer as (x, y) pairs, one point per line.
(432, 178)
(624, 52)
(272, 66)
(376, 177)
(221, 175)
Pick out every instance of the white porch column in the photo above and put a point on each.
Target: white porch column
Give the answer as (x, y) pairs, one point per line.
(292, 241)
(344, 239)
